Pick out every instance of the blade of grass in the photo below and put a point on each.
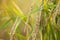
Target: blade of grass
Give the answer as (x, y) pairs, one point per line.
(21, 36)
(52, 32)
(58, 34)
(16, 24)
(5, 24)
(17, 10)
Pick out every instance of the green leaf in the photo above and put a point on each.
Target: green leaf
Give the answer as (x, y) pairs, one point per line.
(5, 24)
(58, 34)
(52, 32)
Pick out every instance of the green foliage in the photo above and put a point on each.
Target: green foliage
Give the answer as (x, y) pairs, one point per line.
(39, 24)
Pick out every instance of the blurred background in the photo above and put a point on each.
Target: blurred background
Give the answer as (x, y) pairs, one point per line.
(29, 19)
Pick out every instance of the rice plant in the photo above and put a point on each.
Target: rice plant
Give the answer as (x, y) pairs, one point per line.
(29, 19)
